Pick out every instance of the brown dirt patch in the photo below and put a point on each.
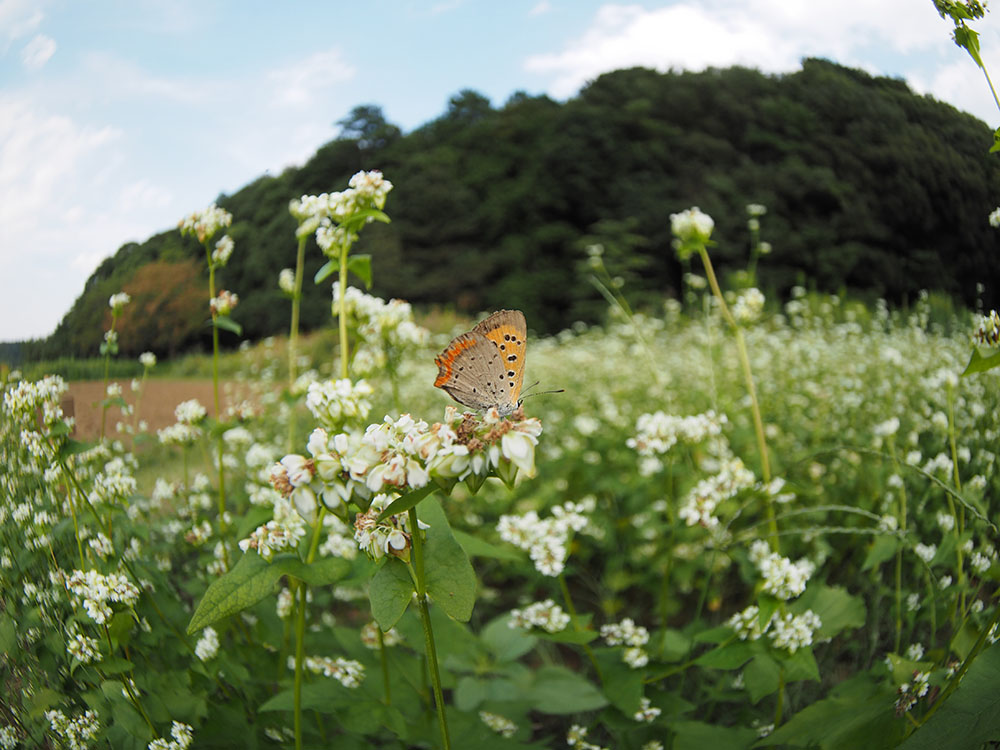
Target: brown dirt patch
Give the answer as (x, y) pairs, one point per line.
(156, 405)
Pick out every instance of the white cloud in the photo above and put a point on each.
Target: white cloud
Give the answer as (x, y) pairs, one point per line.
(543, 7)
(38, 51)
(772, 35)
(303, 81)
(18, 18)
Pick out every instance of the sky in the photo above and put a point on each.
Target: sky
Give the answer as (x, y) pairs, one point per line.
(119, 117)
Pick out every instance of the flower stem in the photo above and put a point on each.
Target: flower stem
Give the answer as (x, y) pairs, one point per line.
(576, 625)
(215, 397)
(293, 331)
(300, 632)
(425, 619)
(342, 314)
(758, 422)
(385, 666)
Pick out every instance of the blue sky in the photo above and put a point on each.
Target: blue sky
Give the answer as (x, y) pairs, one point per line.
(117, 118)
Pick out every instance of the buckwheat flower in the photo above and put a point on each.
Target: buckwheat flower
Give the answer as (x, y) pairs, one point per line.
(208, 645)
(888, 524)
(925, 552)
(635, 657)
(347, 672)
(118, 301)
(747, 623)
(190, 412)
(625, 633)
(987, 331)
(647, 711)
(887, 428)
(334, 402)
(369, 636)
(653, 745)
(576, 735)
(793, 632)
(84, 649)
(223, 250)
(995, 218)
(499, 724)
(390, 536)
(223, 303)
(945, 582)
(77, 732)
(102, 546)
(748, 306)
(9, 737)
(755, 209)
(147, 359)
(915, 652)
(545, 540)
(782, 578)
(945, 521)
(282, 532)
(980, 562)
(658, 432)
(286, 281)
(285, 603)
(544, 614)
(701, 502)
(206, 223)
(692, 228)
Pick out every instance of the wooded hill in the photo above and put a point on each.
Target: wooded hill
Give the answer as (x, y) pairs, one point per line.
(868, 187)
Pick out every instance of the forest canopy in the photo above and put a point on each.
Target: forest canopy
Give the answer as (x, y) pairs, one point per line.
(869, 188)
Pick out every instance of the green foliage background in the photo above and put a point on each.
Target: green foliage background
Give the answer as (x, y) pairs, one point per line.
(868, 186)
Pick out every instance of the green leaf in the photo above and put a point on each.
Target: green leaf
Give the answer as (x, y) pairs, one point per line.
(970, 716)
(470, 692)
(858, 713)
(883, 548)
(622, 685)
(557, 690)
(837, 610)
(8, 634)
(762, 676)
(227, 324)
(361, 266)
(695, 735)
(476, 547)
(249, 581)
(507, 643)
(390, 593)
(731, 656)
(404, 502)
(980, 362)
(324, 273)
(996, 141)
(767, 606)
(449, 576)
(799, 666)
(72, 447)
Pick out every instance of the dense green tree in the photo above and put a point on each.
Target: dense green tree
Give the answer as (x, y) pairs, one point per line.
(867, 185)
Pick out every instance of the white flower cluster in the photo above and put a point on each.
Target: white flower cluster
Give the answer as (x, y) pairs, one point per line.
(182, 737)
(647, 711)
(208, 645)
(189, 412)
(83, 648)
(987, 331)
(546, 540)
(910, 692)
(546, 615)
(658, 432)
(347, 672)
(96, 590)
(8, 737)
(576, 738)
(790, 631)
(369, 636)
(26, 398)
(499, 724)
(76, 732)
(325, 213)
(334, 402)
(185, 431)
(633, 637)
(223, 303)
(782, 578)
(117, 301)
(692, 225)
(701, 502)
(114, 484)
(223, 251)
(748, 306)
(390, 536)
(283, 531)
(147, 359)
(386, 328)
(925, 552)
(286, 281)
(205, 223)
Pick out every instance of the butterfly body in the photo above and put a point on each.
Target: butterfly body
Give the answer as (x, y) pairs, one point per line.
(484, 368)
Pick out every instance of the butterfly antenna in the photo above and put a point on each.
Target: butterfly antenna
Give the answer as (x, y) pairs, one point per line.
(525, 390)
(542, 393)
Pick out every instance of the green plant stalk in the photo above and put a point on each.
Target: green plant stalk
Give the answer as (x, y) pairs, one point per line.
(780, 705)
(293, 331)
(899, 553)
(76, 483)
(564, 587)
(128, 688)
(342, 314)
(107, 374)
(959, 516)
(425, 619)
(300, 631)
(758, 423)
(215, 397)
(383, 656)
(754, 255)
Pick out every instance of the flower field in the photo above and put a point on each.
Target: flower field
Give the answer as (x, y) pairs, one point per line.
(740, 525)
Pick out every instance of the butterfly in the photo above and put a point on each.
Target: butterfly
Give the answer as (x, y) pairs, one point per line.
(484, 368)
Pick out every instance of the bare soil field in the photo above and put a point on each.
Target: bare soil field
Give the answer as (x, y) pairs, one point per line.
(156, 405)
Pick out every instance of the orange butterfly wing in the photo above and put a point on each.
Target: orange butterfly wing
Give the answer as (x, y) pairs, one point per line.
(509, 331)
